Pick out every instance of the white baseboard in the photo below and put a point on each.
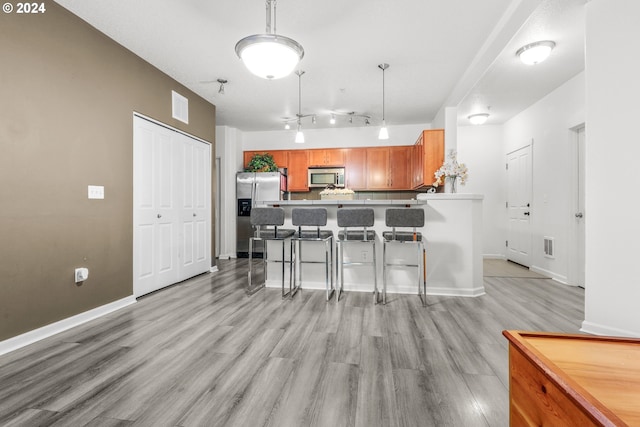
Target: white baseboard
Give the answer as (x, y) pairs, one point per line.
(551, 274)
(494, 256)
(597, 329)
(30, 337)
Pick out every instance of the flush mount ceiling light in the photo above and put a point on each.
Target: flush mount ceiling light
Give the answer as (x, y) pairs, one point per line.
(384, 133)
(270, 55)
(478, 119)
(535, 53)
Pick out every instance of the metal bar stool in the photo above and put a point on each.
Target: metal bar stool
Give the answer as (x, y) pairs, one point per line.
(314, 217)
(360, 219)
(268, 217)
(405, 218)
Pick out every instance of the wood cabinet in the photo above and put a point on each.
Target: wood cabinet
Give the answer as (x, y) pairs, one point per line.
(388, 168)
(573, 380)
(297, 169)
(355, 168)
(427, 158)
(377, 168)
(327, 157)
(279, 156)
(400, 167)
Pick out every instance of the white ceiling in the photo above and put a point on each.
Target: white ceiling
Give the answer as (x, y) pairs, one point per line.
(454, 53)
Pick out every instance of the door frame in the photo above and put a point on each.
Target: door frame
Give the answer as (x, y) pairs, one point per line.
(573, 276)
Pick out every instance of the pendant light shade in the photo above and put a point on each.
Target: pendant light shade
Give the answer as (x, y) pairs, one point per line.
(384, 133)
(299, 136)
(269, 55)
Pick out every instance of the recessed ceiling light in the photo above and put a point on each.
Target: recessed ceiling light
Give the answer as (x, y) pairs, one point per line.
(535, 53)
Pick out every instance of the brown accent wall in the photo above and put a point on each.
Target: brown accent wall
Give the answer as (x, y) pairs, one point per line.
(67, 98)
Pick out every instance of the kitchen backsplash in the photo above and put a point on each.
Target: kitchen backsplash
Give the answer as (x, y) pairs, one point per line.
(314, 194)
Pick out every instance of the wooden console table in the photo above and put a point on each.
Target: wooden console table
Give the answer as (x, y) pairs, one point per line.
(573, 380)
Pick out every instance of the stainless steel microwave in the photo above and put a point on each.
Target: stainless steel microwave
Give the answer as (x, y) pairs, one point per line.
(322, 177)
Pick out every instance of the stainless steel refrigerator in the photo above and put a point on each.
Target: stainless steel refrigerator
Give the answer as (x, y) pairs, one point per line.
(253, 189)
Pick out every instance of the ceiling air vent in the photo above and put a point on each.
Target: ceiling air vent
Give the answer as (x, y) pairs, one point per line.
(179, 107)
(548, 247)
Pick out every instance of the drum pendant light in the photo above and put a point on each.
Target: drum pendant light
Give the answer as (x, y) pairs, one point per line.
(270, 55)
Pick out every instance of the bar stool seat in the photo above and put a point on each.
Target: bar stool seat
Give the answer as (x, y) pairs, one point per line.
(268, 217)
(405, 218)
(360, 219)
(311, 217)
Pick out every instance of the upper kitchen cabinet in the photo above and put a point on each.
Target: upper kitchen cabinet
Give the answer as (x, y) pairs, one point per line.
(388, 168)
(400, 167)
(279, 156)
(355, 167)
(297, 170)
(428, 156)
(327, 157)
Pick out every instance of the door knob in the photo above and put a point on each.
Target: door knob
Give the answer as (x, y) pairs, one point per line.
(526, 213)
(159, 216)
(194, 214)
(579, 215)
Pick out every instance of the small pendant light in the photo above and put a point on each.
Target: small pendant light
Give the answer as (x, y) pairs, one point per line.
(384, 133)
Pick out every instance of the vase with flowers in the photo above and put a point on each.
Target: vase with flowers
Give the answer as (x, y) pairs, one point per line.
(451, 172)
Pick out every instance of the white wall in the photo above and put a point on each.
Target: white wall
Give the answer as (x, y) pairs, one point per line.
(612, 150)
(229, 150)
(332, 138)
(548, 124)
(481, 148)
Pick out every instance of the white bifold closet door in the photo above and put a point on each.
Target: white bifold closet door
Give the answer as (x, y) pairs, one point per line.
(172, 206)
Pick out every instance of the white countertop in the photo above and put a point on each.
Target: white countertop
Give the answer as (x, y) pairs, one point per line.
(370, 202)
(421, 199)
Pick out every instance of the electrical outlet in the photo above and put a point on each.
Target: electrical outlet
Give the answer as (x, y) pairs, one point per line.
(81, 274)
(365, 254)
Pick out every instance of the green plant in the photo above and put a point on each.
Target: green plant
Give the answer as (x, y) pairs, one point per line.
(262, 163)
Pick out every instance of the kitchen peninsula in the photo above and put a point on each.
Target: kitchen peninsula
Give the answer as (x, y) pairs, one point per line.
(452, 234)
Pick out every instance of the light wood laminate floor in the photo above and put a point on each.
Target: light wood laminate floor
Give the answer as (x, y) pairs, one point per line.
(201, 353)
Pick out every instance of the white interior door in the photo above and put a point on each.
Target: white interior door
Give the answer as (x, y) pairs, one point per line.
(154, 263)
(172, 206)
(195, 236)
(519, 206)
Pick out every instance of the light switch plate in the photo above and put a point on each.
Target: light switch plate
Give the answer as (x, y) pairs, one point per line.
(96, 192)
